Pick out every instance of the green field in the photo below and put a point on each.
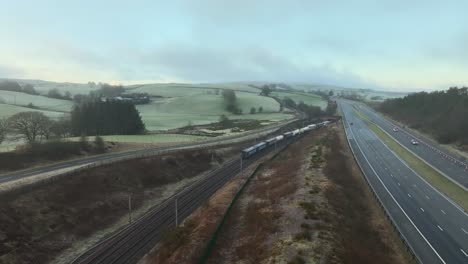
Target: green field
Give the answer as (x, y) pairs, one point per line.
(152, 138)
(42, 102)
(176, 106)
(309, 99)
(9, 110)
(149, 88)
(181, 105)
(44, 86)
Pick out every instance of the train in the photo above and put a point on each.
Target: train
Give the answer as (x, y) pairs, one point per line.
(248, 152)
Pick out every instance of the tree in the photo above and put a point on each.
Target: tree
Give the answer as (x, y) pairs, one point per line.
(61, 128)
(440, 113)
(266, 90)
(3, 129)
(111, 91)
(288, 102)
(224, 121)
(253, 110)
(111, 117)
(230, 100)
(29, 124)
(260, 109)
(99, 145)
(29, 89)
(54, 93)
(68, 95)
(330, 93)
(10, 86)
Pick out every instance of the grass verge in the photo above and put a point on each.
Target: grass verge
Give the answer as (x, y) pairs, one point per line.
(437, 180)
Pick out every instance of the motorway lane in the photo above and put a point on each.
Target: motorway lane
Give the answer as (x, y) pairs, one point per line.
(438, 233)
(433, 154)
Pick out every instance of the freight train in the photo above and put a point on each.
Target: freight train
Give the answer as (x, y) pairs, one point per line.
(248, 152)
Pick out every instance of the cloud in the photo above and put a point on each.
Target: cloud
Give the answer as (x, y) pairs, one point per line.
(198, 64)
(10, 72)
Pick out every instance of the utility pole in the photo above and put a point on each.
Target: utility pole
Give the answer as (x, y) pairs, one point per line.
(130, 208)
(176, 214)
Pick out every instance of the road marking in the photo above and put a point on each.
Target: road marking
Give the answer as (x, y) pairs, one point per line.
(393, 198)
(443, 212)
(414, 185)
(464, 253)
(427, 197)
(464, 231)
(409, 195)
(440, 228)
(398, 183)
(422, 209)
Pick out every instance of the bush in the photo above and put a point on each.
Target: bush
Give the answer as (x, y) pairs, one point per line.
(99, 145)
(54, 149)
(253, 110)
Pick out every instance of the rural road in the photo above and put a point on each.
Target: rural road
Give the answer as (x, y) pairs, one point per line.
(117, 156)
(435, 229)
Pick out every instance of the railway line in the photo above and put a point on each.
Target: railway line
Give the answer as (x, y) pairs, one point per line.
(129, 244)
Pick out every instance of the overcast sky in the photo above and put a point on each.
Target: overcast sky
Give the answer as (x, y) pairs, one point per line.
(393, 45)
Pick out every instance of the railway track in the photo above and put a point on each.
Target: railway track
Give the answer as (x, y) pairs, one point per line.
(130, 244)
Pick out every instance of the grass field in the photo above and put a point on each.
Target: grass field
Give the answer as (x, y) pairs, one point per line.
(179, 105)
(9, 110)
(44, 86)
(309, 99)
(153, 138)
(182, 104)
(441, 183)
(42, 102)
(204, 87)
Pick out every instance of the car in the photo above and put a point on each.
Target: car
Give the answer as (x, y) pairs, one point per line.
(395, 129)
(414, 142)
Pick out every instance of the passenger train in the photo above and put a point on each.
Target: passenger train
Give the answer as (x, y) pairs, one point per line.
(246, 153)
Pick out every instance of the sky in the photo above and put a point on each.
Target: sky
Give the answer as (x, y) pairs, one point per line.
(396, 45)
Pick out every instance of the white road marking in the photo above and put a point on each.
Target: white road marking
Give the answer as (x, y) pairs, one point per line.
(391, 174)
(443, 212)
(427, 197)
(440, 228)
(409, 195)
(414, 185)
(464, 253)
(398, 183)
(393, 198)
(422, 209)
(464, 231)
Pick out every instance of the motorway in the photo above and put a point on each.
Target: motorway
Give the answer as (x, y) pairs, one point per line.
(434, 227)
(128, 245)
(118, 156)
(453, 168)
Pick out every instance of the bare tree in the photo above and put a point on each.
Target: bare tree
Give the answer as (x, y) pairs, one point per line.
(30, 125)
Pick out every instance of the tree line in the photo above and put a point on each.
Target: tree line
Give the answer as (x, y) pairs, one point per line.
(110, 117)
(440, 113)
(15, 87)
